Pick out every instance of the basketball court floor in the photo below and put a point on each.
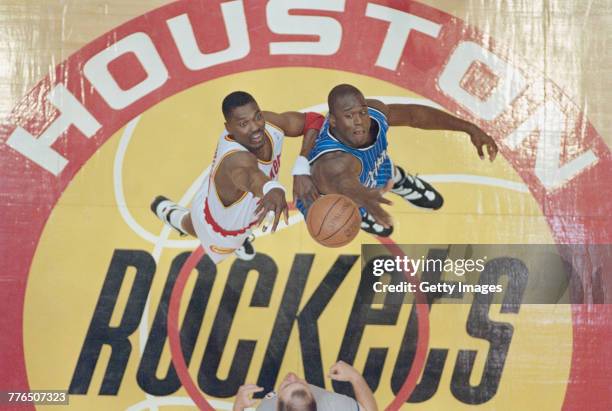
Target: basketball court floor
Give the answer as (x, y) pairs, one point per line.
(96, 293)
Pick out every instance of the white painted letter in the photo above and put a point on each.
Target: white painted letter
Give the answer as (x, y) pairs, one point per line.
(237, 33)
(39, 149)
(508, 86)
(328, 29)
(96, 70)
(401, 24)
(552, 125)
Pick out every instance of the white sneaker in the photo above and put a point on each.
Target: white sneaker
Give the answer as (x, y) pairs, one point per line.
(369, 225)
(246, 252)
(417, 191)
(162, 207)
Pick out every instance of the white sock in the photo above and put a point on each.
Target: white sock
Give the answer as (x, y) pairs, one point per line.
(176, 217)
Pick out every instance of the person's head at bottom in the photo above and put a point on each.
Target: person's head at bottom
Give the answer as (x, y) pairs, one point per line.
(294, 395)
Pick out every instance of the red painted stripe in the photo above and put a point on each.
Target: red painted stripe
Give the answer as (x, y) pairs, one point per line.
(174, 339)
(422, 310)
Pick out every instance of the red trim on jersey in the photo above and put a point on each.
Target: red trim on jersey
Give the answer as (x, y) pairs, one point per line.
(217, 228)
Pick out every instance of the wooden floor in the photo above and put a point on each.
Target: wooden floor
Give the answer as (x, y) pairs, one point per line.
(569, 41)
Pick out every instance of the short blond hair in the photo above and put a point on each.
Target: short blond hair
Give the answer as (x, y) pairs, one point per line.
(300, 400)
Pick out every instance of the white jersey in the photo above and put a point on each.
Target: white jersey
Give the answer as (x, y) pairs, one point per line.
(223, 228)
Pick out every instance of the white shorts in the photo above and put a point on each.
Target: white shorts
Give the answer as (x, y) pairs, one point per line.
(217, 246)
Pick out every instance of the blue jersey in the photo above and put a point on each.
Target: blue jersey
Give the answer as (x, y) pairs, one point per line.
(376, 167)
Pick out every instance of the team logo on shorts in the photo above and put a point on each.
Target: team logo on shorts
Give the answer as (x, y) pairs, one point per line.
(221, 250)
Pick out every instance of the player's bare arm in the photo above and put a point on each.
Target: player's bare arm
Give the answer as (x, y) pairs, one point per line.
(239, 173)
(342, 371)
(244, 397)
(296, 124)
(291, 122)
(304, 187)
(429, 118)
(338, 172)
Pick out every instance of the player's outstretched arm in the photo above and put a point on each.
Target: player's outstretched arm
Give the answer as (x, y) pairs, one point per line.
(297, 124)
(304, 187)
(291, 122)
(429, 118)
(245, 175)
(338, 172)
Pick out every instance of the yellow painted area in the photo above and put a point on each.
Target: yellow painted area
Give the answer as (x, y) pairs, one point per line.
(172, 144)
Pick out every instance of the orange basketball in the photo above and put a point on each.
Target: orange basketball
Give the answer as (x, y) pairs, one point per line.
(333, 220)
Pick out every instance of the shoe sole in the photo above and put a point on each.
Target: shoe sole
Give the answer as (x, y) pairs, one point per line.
(377, 234)
(418, 206)
(248, 258)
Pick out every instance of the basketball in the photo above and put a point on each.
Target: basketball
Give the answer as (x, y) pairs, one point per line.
(333, 220)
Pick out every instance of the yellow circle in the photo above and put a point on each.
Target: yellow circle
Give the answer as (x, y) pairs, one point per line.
(171, 145)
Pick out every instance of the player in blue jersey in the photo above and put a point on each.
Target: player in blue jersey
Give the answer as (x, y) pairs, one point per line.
(350, 154)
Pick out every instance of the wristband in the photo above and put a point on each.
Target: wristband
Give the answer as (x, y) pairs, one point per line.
(271, 185)
(313, 121)
(301, 167)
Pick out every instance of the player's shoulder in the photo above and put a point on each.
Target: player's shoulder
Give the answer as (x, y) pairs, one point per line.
(238, 158)
(335, 155)
(334, 158)
(274, 128)
(328, 400)
(335, 162)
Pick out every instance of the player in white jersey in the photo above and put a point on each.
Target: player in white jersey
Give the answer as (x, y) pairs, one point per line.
(242, 187)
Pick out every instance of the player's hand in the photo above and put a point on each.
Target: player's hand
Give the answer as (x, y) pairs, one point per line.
(243, 396)
(372, 198)
(274, 201)
(342, 371)
(479, 139)
(304, 189)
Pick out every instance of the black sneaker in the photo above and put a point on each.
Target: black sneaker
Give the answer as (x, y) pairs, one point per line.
(246, 252)
(369, 225)
(162, 207)
(417, 192)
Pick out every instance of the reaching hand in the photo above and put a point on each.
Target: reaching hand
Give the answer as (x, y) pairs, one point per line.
(479, 139)
(372, 198)
(304, 189)
(342, 371)
(243, 397)
(275, 202)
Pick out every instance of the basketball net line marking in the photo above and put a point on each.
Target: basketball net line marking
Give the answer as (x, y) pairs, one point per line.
(161, 241)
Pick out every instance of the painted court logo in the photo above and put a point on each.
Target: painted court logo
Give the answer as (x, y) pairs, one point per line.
(148, 78)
